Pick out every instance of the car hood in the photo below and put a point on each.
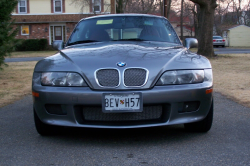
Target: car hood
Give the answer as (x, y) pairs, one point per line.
(156, 57)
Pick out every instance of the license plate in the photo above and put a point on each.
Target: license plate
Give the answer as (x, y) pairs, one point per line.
(122, 102)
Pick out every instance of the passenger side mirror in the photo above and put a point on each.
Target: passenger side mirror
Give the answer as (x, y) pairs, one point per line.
(58, 45)
(191, 43)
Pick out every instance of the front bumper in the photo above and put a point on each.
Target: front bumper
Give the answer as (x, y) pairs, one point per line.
(219, 43)
(73, 100)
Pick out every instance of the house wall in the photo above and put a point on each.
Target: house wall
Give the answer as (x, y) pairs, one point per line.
(41, 19)
(186, 32)
(73, 8)
(239, 36)
(70, 27)
(40, 6)
(44, 7)
(107, 6)
(36, 31)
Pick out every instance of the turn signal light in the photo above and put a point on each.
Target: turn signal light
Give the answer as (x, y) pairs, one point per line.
(35, 94)
(209, 91)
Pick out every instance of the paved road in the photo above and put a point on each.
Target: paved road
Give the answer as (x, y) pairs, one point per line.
(219, 50)
(227, 143)
(23, 59)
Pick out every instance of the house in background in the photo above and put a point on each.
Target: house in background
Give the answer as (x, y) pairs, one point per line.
(54, 19)
(175, 20)
(237, 36)
(188, 30)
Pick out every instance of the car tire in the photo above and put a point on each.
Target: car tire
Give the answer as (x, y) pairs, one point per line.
(42, 128)
(203, 125)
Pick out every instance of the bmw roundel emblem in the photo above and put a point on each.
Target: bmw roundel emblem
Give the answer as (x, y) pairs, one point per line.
(121, 64)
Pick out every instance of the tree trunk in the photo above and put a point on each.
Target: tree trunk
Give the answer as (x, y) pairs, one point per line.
(205, 31)
(182, 1)
(119, 6)
(168, 8)
(205, 26)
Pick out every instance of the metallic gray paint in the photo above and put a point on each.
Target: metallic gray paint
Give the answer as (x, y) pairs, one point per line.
(85, 59)
(58, 45)
(156, 57)
(191, 43)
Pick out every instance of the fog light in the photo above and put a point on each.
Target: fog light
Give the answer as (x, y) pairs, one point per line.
(190, 106)
(55, 109)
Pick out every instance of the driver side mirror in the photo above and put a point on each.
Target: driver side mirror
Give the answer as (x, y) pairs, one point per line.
(191, 43)
(58, 45)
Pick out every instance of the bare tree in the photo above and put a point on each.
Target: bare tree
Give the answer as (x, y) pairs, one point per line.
(82, 4)
(182, 1)
(143, 6)
(168, 7)
(205, 26)
(220, 18)
(231, 12)
(192, 13)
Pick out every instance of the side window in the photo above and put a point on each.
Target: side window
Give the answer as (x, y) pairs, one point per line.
(22, 6)
(25, 30)
(58, 6)
(96, 5)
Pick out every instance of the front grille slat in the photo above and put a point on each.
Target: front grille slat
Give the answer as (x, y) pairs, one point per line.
(96, 114)
(108, 77)
(135, 77)
(132, 77)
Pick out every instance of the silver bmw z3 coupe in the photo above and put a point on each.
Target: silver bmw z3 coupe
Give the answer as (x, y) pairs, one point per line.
(123, 71)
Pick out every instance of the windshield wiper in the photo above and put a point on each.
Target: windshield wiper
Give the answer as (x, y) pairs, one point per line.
(82, 41)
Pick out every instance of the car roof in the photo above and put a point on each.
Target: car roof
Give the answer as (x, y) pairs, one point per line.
(121, 15)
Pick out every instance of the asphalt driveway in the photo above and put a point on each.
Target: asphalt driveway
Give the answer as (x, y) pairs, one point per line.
(227, 143)
(226, 50)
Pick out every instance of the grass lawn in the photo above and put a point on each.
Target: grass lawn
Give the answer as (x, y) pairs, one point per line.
(15, 81)
(231, 78)
(22, 54)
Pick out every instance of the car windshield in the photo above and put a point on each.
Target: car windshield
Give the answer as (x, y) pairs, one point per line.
(217, 37)
(118, 28)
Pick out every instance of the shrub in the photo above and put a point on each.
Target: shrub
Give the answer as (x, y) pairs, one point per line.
(43, 44)
(31, 44)
(19, 45)
(7, 31)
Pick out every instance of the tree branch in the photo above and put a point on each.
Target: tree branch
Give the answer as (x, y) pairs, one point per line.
(200, 2)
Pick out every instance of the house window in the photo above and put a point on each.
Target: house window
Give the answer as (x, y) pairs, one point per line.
(22, 6)
(96, 5)
(25, 30)
(57, 6)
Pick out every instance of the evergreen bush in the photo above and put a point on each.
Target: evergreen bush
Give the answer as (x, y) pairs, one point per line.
(31, 44)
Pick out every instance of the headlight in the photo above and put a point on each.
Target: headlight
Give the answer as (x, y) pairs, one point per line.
(62, 79)
(181, 77)
(208, 75)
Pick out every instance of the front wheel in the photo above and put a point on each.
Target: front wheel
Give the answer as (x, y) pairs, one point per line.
(203, 125)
